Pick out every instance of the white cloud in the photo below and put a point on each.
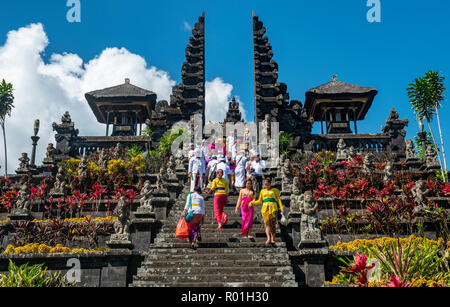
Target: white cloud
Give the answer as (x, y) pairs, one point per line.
(218, 94)
(46, 90)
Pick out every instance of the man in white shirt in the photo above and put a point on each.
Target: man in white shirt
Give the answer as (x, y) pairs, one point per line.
(222, 164)
(196, 170)
(256, 168)
(191, 152)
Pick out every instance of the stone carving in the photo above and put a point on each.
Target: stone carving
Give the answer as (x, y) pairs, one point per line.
(122, 225)
(59, 185)
(233, 114)
(24, 162)
(394, 128)
(118, 151)
(146, 197)
(388, 171)
(171, 174)
(295, 196)
(22, 207)
(83, 167)
(179, 164)
(367, 163)
(286, 175)
(431, 158)
(102, 160)
(341, 151)
(351, 154)
(309, 230)
(49, 153)
(160, 181)
(410, 150)
(65, 135)
(419, 192)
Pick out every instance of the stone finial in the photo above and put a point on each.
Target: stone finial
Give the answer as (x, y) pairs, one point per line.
(127, 80)
(335, 78)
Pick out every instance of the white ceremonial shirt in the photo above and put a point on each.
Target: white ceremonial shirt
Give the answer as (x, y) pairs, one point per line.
(259, 167)
(198, 203)
(196, 165)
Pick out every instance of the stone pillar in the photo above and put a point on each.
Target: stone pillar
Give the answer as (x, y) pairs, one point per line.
(143, 229)
(160, 202)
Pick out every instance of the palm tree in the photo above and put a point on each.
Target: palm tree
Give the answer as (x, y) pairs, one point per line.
(6, 105)
(425, 95)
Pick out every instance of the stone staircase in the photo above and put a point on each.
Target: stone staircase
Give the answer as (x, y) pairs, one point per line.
(223, 259)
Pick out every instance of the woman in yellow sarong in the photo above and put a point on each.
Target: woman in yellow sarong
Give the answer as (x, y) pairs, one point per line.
(271, 203)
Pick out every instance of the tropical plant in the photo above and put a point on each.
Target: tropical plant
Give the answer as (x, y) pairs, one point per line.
(165, 144)
(134, 151)
(6, 105)
(32, 276)
(409, 262)
(284, 141)
(147, 132)
(425, 95)
(357, 270)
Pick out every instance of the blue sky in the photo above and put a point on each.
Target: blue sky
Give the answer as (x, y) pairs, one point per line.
(312, 40)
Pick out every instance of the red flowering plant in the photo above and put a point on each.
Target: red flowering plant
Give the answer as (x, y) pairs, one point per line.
(358, 270)
(96, 194)
(80, 200)
(445, 190)
(8, 200)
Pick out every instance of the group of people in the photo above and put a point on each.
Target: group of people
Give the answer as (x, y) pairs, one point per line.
(228, 172)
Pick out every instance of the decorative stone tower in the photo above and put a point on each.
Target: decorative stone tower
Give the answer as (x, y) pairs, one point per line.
(189, 96)
(233, 114)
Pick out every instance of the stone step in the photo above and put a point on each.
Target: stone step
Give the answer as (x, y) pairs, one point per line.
(209, 219)
(290, 283)
(218, 277)
(247, 251)
(237, 257)
(145, 271)
(216, 239)
(225, 233)
(210, 227)
(185, 244)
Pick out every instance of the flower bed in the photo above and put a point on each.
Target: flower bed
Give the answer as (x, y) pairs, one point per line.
(394, 262)
(36, 248)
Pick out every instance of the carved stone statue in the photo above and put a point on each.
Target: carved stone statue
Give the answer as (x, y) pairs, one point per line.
(341, 151)
(24, 161)
(419, 192)
(146, 197)
(309, 230)
(351, 154)
(102, 160)
(65, 119)
(49, 153)
(171, 174)
(286, 175)
(160, 180)
(23, 202)
(410, 150)
(122, 225)
(430, 157)
(118, 151)
(83, 167)
(367, 163)
(295, 196)
(179, 164)
(388, 171)
(59, 185)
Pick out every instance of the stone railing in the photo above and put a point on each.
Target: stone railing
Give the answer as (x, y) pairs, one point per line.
(361, 142)
(89, 144)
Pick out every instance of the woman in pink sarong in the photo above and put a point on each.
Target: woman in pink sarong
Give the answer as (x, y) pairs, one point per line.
(245, 197)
